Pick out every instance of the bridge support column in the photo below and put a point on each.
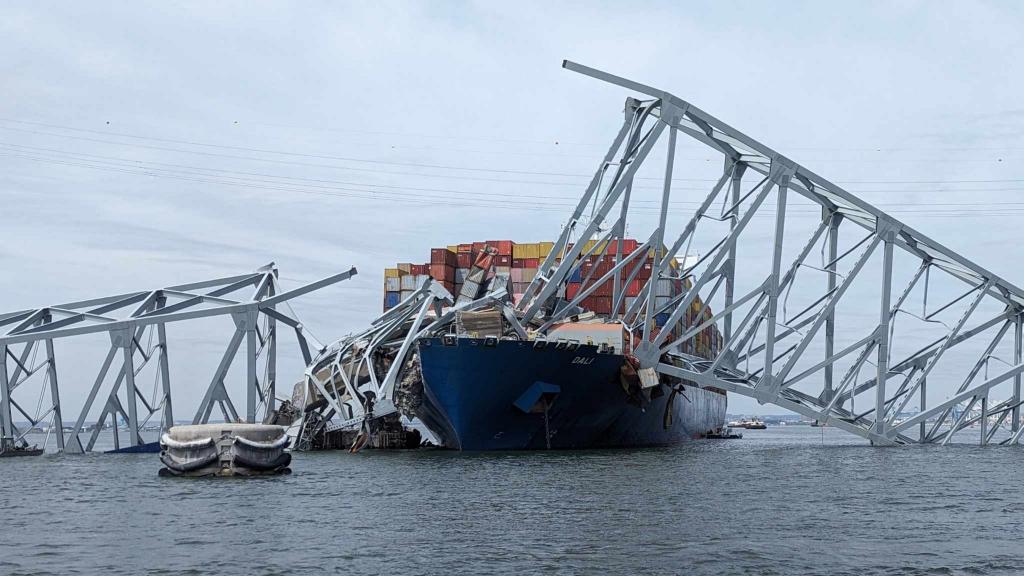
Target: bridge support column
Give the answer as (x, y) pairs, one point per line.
(246, 322)
(889, 236)
(1018, 342)
(271, 400)
(984, 419)
(922, 434)
(58, 419)
(6, 424)
(125, 340)
(830, 319)
(167, 411)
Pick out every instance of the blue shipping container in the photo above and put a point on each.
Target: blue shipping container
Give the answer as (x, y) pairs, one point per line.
(576, 276)
(661, 319)
(391, 299)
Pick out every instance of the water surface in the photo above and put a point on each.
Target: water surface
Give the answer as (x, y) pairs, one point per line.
(788, 500)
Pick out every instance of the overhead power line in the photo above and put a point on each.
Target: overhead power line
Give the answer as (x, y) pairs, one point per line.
(419, 198)
(428, 166)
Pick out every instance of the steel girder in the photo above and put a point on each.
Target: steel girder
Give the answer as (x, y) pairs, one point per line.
(136, 324)
(792, 360)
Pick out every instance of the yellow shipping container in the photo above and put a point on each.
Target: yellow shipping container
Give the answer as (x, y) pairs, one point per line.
(453, 248)
(405, 267)
(532, 251)
(391, 272)
(519, 251)
(545, 249)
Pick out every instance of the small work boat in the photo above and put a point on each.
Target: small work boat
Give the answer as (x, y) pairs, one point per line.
(225, 450)
(20, 450)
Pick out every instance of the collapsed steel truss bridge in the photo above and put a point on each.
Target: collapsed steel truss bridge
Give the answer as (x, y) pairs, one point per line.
(136, 324)
(870, 378)
(858, 355)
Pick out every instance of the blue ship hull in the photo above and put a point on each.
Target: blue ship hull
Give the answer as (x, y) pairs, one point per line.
(480, 397)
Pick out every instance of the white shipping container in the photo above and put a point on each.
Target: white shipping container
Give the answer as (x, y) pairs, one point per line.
(408, 282)
(421, 279)
(393, 284)
(517, 275)
(528, 274)
(469, 291)
(664, 287)
(407, 293)
(660, 301)
(460, 275)
(477, 275)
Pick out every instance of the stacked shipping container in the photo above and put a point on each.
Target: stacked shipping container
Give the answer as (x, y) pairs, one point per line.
(452, 264)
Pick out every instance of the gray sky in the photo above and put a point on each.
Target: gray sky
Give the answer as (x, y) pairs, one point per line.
(141, 143)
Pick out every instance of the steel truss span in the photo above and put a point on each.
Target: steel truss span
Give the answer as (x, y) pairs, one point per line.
(136, 324)
(858, 321)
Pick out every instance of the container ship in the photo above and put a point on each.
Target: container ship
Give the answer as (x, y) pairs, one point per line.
(483, 388)
(478, 379)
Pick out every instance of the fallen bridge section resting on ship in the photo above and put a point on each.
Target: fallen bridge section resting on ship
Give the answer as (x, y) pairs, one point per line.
(777, 315)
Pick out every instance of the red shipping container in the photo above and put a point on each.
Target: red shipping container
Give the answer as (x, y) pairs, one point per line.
(439, 256)
(478, 247)
(503, 260)
(628, 246)
(416, 269)
(519, 262)
(601, 304)
(633, 288)
(504, 247)
(450, 287)
(571, 290)
(646, 270)
(605, 289)
(464, 259)
(442, 272)
(532, 262)
(465, 248)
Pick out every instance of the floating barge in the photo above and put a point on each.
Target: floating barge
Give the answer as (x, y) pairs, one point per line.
(228, 449)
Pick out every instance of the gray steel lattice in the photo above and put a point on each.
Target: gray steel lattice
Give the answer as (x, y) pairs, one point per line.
(129, 319)
(766, 356)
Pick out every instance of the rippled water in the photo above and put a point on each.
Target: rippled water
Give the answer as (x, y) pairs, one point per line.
(791, 500)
